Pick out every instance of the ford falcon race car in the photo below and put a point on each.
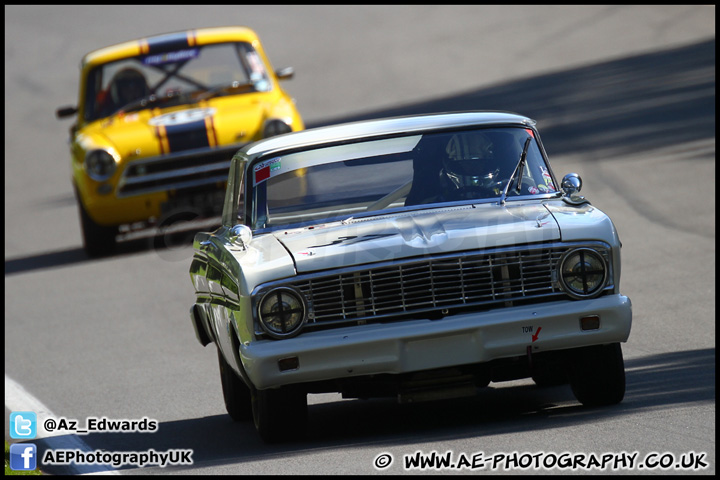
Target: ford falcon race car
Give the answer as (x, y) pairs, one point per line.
(158, 120)
(417, 257)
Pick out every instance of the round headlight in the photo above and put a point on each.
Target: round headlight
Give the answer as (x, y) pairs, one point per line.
(583, 273)
(275, 127)
(100, 165)
(282, 312)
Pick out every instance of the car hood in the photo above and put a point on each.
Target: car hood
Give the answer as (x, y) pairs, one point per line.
(414, 234)
(147, 133)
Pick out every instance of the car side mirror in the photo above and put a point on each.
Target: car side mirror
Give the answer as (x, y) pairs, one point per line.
(285, 73)
(68, 111)
(240, 235)
(571, 183)
(571, 186)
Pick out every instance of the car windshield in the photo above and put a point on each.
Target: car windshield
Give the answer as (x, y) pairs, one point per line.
(173, 78)
(373, 177)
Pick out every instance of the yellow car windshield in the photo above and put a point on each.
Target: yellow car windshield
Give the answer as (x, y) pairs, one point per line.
(174, 77)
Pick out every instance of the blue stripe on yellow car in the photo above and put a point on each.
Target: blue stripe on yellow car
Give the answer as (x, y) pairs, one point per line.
(186, 136)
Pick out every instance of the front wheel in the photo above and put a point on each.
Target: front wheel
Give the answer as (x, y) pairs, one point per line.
(280, 414)
(597, 375)
(235, 393)
(98, 240)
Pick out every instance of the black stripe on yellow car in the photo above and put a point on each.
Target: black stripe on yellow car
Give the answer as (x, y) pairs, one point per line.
(170, 41)
(186, 136)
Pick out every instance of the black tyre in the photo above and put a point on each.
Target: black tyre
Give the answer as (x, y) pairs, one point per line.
(98, 240)
(280, 414)
(597, 375)
(236, 394)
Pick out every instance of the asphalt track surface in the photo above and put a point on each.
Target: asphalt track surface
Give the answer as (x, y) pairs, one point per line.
(623, 95)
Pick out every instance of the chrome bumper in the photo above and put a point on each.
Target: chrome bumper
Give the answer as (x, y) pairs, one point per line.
(416, 345)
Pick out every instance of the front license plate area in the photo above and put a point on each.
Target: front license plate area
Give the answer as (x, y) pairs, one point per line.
(452, 349)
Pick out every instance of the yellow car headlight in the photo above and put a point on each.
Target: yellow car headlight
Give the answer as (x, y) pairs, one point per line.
(100, 165)
(275, 127)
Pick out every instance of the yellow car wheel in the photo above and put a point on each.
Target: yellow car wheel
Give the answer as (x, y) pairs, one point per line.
(98, 240)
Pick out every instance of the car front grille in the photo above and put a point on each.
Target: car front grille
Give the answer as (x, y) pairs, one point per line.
(416, 288)
(187, 169)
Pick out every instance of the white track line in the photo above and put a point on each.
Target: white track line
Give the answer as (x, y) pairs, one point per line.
(17, 399)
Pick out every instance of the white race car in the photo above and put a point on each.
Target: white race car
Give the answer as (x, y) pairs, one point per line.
(417, 257)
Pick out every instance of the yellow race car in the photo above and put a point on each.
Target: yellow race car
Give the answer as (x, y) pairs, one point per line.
(158, 120)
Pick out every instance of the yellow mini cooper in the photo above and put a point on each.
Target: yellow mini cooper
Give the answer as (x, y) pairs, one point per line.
(158, 120)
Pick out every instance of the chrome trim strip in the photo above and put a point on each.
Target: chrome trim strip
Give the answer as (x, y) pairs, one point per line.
(169, 175)
(175, 186)
(134, 180)
(183, 154)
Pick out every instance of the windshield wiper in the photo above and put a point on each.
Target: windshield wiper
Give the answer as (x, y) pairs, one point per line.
(224, 90)
(152, 99)
(518, 168)
(144, 102)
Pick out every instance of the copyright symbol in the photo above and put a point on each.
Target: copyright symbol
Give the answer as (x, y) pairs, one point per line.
(384, 460)
(174, 235)
(49, 425)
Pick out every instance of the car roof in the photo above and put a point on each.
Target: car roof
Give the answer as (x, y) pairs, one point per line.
(168, 42)
(385, 126)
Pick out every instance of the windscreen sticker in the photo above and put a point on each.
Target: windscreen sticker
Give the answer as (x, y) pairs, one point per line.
(255, 63)
(170, 57)
(547, 178)
(267, 169)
